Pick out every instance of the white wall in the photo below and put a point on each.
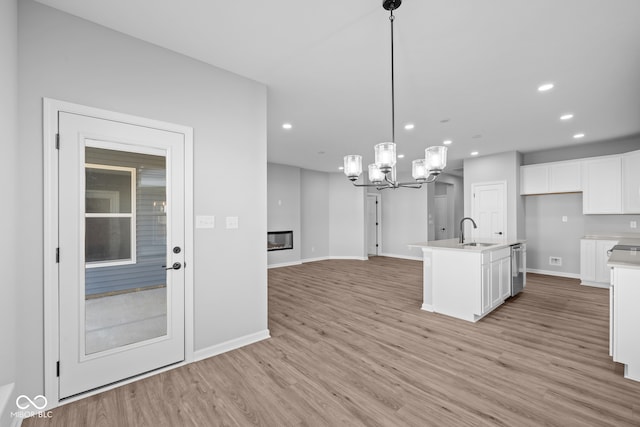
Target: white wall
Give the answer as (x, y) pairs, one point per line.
(314, 212)
(497, 167)
(283, 209)
(347, 203)
(9, 173)
(67, 58)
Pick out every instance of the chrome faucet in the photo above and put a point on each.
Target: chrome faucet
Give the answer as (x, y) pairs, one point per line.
(461, 240)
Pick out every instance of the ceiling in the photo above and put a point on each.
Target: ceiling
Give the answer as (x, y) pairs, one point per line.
(466, 70)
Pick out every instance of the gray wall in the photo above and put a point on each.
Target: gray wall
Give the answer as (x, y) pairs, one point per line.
(347, 203)
(314, 211)
(546, 234)
(456, 187)
(404, 219)
(9, 173)
(497, 167)
(67, 58)
(580, 151)
(283, 209)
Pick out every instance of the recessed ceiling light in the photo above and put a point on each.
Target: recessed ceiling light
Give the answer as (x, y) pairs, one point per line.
(340, 168)
(447, 142)
(578, 135)
(566, 116)
(474, 153)
(409, 126)
(286, 126)
(545, 87)
(401, 156)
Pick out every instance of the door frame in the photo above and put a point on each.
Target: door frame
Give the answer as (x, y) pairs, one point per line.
(379, 226)
(51, 108)
(505, 206)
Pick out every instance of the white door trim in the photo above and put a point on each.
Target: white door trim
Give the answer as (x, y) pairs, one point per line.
(51, 108)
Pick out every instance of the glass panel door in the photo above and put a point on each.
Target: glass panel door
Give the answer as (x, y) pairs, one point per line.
(125, 248)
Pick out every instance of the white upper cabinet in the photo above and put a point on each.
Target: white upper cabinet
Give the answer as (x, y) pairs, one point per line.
(565, 177)
(556, 177)
(631, 183)
(602, 184)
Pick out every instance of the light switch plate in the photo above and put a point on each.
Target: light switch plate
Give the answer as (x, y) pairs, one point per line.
(565, 219)
(205, 221)
(633, 224)
(232, 222)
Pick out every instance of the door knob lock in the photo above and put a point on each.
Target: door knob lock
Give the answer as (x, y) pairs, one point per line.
(175, 266)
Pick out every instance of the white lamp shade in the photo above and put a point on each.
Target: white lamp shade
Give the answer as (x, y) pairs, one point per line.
(419, 170)
(385, 156)
(353, 165)
(436, 158)
(375, 175)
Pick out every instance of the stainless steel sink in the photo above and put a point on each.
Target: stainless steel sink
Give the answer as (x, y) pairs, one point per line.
(478, 244)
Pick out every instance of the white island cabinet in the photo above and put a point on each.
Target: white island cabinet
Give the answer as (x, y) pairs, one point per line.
(624, 343)
(466, 282)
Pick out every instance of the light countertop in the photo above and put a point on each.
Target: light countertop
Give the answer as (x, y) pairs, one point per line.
(622, 258)
(611, 236)
(453, 244)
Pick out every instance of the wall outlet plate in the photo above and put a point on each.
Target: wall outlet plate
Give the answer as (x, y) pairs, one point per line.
(633, 224)
(555, 260)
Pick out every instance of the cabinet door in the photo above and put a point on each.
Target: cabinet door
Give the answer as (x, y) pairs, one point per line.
(495, 283)
(565, 177)
(603, 273)
(505, 278)
(631, 182)
(534, 179)
(486, 288)
(602, 185)
(588, 260)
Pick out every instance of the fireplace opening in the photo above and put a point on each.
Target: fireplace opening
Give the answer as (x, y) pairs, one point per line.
(279, 240)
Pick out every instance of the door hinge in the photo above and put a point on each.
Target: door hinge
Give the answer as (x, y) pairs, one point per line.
(57, 255)
(376, 245)
(58, 368)
(57, 141)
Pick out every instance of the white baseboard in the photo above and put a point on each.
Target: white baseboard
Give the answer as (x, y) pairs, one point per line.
(233, 344)
(284, 264)
(410, 257)
(322, 258)
(359, 258)
(554, 273)
(6, 406)
(595, 284)
(427, 307)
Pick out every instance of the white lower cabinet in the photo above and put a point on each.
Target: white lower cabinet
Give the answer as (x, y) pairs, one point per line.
(593, 262)
(625, 318)
(496, 279)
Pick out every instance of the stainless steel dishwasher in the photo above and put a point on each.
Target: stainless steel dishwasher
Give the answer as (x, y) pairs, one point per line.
(518, 268)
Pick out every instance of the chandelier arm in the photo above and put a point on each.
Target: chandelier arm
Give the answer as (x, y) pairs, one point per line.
(410, 185)
(365, 185)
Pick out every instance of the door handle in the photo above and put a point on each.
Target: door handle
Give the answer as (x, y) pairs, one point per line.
(175, 266)
(499, 232)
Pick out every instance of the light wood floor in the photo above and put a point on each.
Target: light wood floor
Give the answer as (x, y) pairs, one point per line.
(350, 346)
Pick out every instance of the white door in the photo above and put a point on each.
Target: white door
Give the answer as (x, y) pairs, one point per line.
(442, 217)
(373, 224)
(489, 210)
(121, 255)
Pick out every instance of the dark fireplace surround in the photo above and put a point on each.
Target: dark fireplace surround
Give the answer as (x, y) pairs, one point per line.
(279, 240)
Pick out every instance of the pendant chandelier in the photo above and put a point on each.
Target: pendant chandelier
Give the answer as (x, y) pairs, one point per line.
(382, 173)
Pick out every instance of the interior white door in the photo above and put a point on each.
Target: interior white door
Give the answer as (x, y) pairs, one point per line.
(372, 225)
(489, 210)
(442, 217)
(121, 255)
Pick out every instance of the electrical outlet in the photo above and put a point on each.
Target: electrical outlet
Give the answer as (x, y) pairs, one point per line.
(565, 219)
(633, 224)
(555, 260)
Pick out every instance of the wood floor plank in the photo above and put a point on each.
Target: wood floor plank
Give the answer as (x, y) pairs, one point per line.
(350, 346)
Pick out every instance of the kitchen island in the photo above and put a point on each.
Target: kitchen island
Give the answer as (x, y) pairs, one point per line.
(624, 297)
(466, 281)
